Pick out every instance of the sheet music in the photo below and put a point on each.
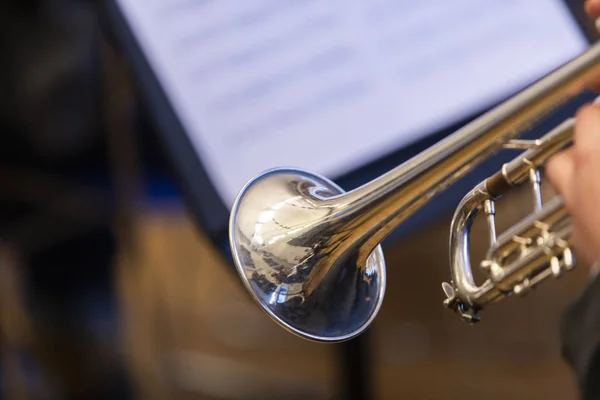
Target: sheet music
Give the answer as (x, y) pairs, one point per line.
(330, 85)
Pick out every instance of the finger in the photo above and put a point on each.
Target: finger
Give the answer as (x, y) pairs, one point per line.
(587, 129)
(592, 8)
(560, 171)
(594, 83)
(585, 251)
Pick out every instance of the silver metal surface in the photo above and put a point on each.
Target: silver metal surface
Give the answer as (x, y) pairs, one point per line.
(522, 256)
(290, 236)
(309, 253)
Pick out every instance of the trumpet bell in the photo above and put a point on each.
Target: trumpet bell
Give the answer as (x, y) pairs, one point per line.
(292, 254)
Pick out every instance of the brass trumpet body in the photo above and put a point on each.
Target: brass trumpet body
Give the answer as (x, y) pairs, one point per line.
(310, 254)
(527, 253)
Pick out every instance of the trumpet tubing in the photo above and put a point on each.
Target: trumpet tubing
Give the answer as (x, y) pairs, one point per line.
(309, 253)
(523, 256)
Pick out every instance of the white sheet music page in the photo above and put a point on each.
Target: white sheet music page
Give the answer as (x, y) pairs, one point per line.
(331, 85)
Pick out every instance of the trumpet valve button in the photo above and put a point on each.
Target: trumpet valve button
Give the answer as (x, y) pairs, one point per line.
(522, 288)
(568, 259)
(496, 271)
(556, 267)
(486, 265)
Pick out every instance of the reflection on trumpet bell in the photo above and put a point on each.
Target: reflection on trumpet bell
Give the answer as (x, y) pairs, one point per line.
(290, 237)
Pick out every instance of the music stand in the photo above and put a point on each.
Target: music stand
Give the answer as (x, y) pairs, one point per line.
(211, 214)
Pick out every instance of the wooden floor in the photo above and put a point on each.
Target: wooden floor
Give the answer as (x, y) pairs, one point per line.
(195, 334)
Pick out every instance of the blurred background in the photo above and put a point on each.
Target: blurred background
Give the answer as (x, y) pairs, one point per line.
(112, 288)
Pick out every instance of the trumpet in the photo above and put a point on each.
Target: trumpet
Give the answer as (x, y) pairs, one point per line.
(310, 253)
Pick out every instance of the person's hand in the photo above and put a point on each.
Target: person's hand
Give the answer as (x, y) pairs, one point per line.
(575, 174)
